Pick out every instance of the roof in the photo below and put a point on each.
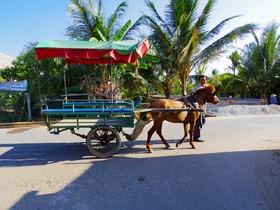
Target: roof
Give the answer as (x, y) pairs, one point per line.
(5, 61)
(93, 52)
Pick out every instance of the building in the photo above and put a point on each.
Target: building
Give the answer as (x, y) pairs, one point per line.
(5, 61)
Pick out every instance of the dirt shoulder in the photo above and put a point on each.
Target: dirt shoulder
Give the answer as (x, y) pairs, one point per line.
(22, 124)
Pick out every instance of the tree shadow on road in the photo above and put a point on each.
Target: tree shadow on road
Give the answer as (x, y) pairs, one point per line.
(229, 180)
(19, 155)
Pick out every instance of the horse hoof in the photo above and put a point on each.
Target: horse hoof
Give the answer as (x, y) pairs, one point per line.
(149, 149)
(193, 147)
(177, 145)
(167, 146)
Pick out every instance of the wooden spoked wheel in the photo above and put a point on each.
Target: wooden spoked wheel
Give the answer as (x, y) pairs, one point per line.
(103, 141)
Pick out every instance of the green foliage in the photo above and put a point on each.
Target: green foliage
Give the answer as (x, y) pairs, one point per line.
(235, 59)
(182, 40)
(261, 62)
(51, 76)
(88, 21)
(12, 107)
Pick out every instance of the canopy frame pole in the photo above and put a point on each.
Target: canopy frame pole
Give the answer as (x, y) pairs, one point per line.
(65, 82)
(117, 82)
(111, 83)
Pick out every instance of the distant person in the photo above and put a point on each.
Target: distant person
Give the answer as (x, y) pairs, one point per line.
(202, 118)
(273, 99)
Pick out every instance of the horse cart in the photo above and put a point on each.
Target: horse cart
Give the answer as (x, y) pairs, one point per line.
(104, 117)
(107, 117)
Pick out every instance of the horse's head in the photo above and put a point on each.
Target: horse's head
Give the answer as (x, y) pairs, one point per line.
(207, 94)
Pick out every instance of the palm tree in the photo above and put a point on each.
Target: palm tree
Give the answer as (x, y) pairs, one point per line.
(235, 59)
(264, 54)
(246, 73)
(182, 39)
(90, 24)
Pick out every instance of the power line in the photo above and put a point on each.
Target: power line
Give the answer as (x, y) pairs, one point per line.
(36, 21)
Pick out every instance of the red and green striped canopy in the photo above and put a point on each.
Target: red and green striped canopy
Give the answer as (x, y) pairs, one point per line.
(93, 52)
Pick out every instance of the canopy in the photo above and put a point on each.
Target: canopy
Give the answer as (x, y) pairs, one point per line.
(93, 52)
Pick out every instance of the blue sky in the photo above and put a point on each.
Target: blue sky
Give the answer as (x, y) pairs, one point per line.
(24, 21)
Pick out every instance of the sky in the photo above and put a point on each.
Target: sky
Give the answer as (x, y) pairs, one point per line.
(25, 21)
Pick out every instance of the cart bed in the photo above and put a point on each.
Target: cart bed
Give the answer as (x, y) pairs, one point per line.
(87, 114)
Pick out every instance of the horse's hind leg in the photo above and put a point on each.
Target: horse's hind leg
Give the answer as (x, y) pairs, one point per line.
(159, 132)
(185, 135)
(156, 127)
(192, 135)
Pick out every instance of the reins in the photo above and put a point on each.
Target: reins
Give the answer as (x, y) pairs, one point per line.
(209, 94)
(169, 112)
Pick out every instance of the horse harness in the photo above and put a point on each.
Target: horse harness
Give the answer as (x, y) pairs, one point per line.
(190, 101)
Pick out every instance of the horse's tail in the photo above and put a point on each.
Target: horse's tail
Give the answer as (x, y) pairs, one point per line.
(137, 129)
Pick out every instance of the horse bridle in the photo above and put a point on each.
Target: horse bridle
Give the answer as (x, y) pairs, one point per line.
(210, 95)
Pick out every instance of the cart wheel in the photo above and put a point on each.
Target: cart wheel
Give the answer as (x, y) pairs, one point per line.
(103, 141)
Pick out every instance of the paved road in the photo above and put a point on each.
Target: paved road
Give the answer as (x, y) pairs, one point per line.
(237, 167)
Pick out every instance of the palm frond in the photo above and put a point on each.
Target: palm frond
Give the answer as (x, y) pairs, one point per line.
(122, 31)
(118, 14)
(99, 7)
(162, 40)
(135, 30)
(269, 43)
(203, 19)
(183, 37)
(217, 47)
(85, 20)
(102, 37)
(157, 18)
(216, 30)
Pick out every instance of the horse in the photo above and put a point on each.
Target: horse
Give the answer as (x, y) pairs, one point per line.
(202, 96)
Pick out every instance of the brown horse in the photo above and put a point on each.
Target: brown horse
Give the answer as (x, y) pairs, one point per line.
(201, 96)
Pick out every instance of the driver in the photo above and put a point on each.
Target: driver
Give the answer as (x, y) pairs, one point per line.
(202, 79)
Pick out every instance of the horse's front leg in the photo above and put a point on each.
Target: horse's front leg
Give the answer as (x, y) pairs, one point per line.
(148, 143)
(159, 132)
(185, 135)
(156, 127)
(150, 133)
